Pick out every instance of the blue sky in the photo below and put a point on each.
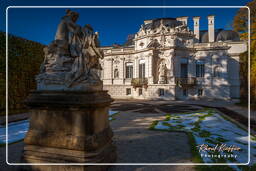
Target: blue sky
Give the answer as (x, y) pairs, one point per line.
(39, 24)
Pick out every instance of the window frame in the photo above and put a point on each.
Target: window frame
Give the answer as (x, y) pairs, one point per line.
(129, 70)
(201, 92)
(185, 92)
(140, 92)
(200, 70)
(128, 91)
(216, 72)
(161, 92)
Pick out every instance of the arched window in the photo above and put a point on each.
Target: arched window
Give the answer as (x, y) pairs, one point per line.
(216, 71)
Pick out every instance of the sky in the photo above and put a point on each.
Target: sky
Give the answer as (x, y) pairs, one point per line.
(113, 24)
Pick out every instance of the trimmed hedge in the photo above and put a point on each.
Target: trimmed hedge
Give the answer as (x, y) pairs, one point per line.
(24, 60)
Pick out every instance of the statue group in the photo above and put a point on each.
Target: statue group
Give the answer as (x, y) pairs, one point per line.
(69, 110)
(72, 59)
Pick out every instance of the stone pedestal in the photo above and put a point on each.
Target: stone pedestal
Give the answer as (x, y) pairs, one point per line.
(162, 80)
(68, 127)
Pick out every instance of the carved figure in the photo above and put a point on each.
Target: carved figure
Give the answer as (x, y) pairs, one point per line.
(72, 59)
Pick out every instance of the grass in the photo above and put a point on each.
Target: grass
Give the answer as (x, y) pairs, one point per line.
(253, 138)
(152, 126)
(168, 116)
(196, 158)
(220, 139)
(204, 133)
(196, 126)
(166, 124)
(112, 116)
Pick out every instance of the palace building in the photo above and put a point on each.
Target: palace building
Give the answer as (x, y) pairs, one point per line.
(166, 60)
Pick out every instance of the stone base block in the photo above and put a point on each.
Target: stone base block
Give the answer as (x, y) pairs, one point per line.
(68, 127)
(39, 154)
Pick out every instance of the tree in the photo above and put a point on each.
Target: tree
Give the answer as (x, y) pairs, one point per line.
(240, 25)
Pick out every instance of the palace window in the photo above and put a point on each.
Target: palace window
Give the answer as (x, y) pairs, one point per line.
(140, 91)
(200, 92)
(128, 91)
(184, 92)
(199, 69)
(142, 69)
(216, 71)
(184, 67)
(161, 92)
(129, 70)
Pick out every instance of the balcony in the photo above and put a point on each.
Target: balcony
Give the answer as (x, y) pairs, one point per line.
(186, 82)
(139, 82)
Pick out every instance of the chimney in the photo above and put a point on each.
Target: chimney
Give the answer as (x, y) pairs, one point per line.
(196, 27)
(184, 20)
(211, 28)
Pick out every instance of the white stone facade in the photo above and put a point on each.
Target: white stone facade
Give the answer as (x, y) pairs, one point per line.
(166, 60)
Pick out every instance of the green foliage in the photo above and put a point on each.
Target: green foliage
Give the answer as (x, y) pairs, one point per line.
(166, 124)
(204, 133)
(152, 126)
(2, 73)
(220, 139)
(168, 117)
(24, 59)
(240, 25)
(253, 138)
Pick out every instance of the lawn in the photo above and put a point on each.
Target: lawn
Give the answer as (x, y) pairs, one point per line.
(210, 129)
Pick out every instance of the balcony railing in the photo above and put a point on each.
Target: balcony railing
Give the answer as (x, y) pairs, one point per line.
(139, 82)
(190, 81)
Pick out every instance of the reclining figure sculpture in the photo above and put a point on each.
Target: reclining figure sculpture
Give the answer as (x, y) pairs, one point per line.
(72, 59)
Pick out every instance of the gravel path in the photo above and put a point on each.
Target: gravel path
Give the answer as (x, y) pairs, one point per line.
(135, 144)
(14, 154)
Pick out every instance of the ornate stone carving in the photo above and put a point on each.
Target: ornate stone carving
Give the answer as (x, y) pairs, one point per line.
(72, 59)
(162, 72)
(154, 44)
(116, 73)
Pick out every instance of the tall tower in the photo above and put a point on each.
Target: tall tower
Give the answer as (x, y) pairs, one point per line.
(211, 28)
(196, 27)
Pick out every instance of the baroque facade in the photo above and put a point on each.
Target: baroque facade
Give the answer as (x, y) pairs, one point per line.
(167, 60)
